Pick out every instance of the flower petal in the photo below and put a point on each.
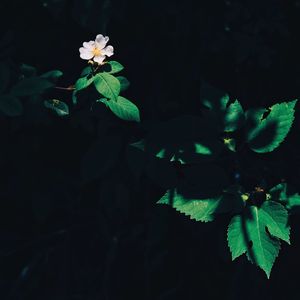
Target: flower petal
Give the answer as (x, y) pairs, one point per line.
(89, 45)
(85, 53)
(101, 41)
(108, 51)
(99, 59)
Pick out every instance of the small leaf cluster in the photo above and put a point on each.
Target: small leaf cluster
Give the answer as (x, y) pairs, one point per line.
(109, 87)
(24, 85)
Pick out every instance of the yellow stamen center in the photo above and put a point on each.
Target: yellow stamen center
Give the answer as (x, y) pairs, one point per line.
(96, 51)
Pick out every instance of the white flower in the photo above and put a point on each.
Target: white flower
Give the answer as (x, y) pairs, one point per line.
(96, 50)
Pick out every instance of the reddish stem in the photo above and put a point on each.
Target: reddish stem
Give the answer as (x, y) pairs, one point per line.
(70, 88)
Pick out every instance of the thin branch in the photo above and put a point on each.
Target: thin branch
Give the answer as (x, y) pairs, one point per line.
(70, 88)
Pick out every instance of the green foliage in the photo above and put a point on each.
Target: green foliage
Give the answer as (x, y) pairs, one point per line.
(188, 139)
(196, 159)
(107, 85)
(229, 116)
(89, 171)
(123, 108)
(115, 67)
(31, 86)
(267, 133)
(86, 71)
(28, 71)
(52, 75)
(198, 209)
(83, 83)
(287, 196)
(123, 82)
(201, 209)
(59, 107)
(203, 190)
(214, 99)
(234, 117)
(257, 233)
(230, 144)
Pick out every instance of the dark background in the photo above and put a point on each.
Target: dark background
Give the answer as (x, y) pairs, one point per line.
(107, 240)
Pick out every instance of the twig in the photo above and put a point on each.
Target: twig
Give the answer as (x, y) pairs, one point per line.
(70, 88)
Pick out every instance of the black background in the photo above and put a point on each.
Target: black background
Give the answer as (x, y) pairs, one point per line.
(61, 240)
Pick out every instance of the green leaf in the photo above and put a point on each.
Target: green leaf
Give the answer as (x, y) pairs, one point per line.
(52, 75)
(107, 85)
(31, 86)
(230, 144)
(202, 149)
(228, 117)
(115, 67)
(203, 209)
(293, 202)
(235, 237)
(278, 192)
(27, 70)
(197, 152)
(188, 139)
(10, 105)
(266, 134)
(287, 196)
(276, 217)
(124, 109)
(213, 98)
(234, 117)
(254, 116)
(251, 228)
(74, 97)
(59, 107)
(139, 145)
(86, 71)
(124, 82)
(83, 83)
(198, 209)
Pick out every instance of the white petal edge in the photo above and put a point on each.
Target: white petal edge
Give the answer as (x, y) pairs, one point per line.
(84, 50)
(89, 45)
(108, 51)
(99, 59)
(101, 41)
(85, 53)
